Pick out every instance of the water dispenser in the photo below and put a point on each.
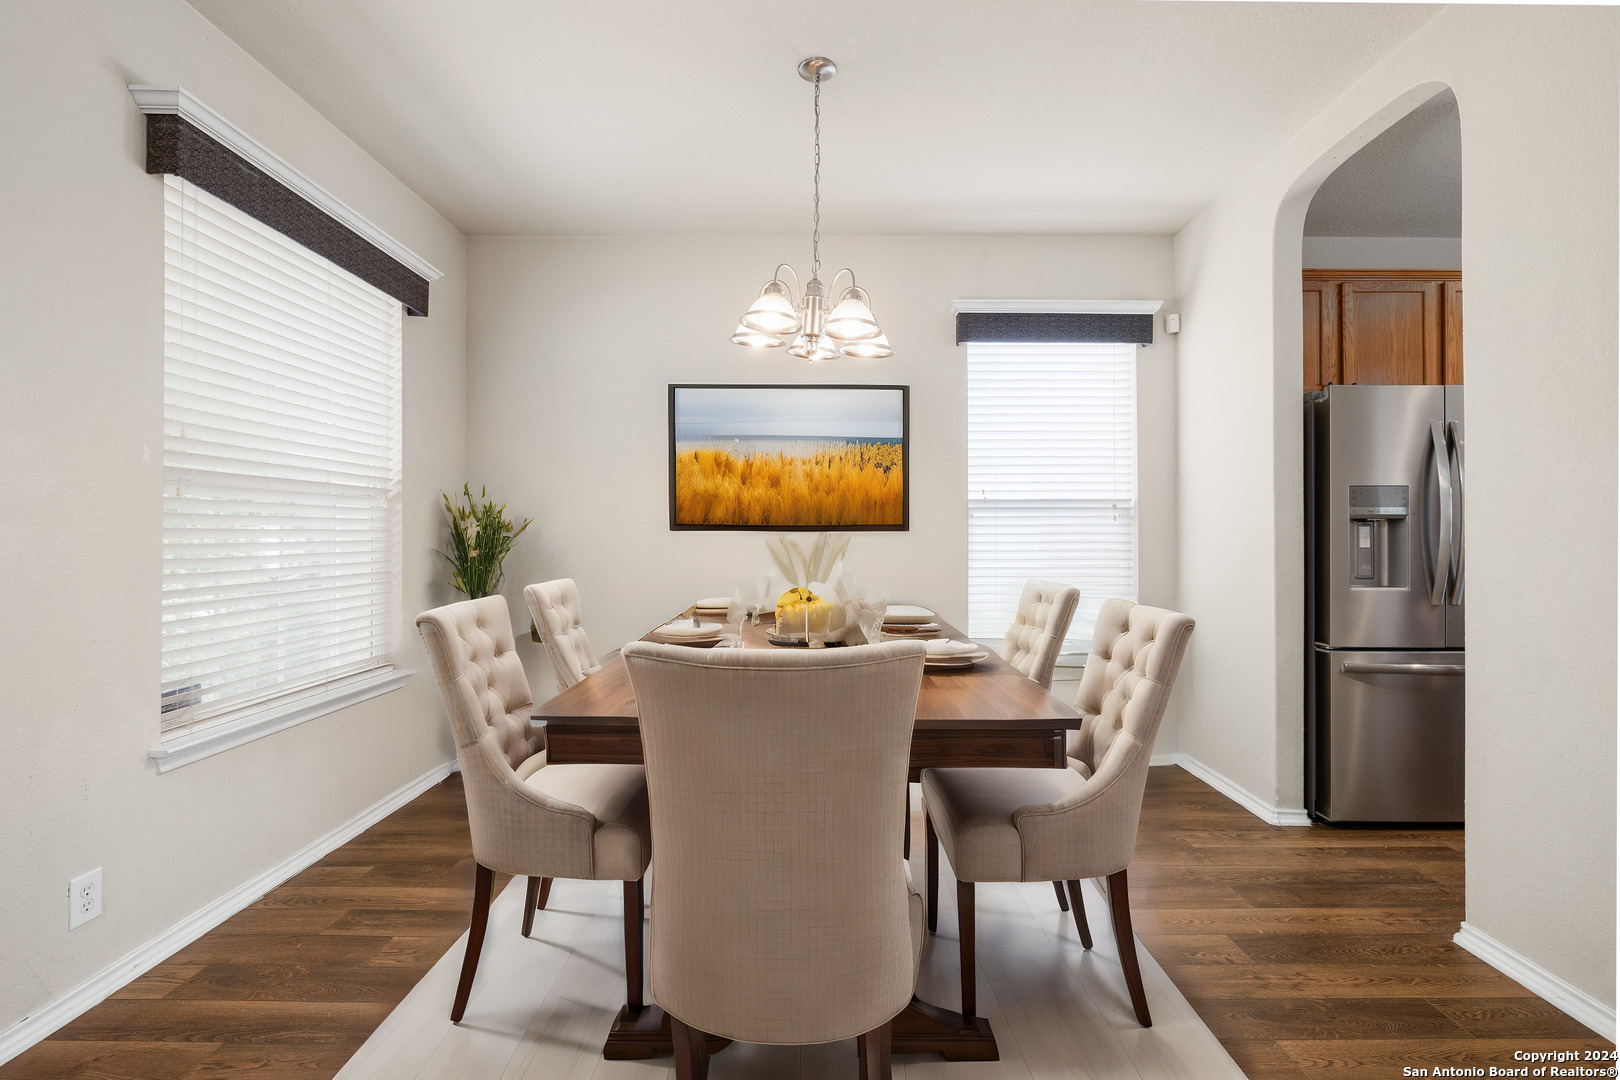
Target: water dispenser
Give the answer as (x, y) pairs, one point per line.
(1379, 544)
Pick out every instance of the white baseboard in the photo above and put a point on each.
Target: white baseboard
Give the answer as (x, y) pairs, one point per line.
(1538, 980)
(57, 1012)
(1254, 804)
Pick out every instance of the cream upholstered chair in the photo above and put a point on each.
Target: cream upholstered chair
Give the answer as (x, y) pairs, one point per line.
(1066, 824)
(555, 607)
(1035, 639)
(785, 912)
(527, 817)
(1036, 636)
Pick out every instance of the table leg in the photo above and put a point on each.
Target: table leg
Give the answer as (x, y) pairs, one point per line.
(926, 1029)
(646, 1034)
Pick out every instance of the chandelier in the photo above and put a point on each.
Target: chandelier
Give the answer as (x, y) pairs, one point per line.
(825, 328)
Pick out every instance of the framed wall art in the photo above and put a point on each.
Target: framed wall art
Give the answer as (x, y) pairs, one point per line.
(789, 457)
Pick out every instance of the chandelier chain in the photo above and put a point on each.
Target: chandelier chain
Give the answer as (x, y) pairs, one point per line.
(815, 235)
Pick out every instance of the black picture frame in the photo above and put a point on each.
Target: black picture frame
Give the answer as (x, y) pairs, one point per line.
(905, 458)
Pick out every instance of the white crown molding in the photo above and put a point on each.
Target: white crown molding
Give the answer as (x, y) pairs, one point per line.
(1059, 307)
(174, 100)
(1538, 980)
(51, 1016)
(193, 746)
(1254, 804)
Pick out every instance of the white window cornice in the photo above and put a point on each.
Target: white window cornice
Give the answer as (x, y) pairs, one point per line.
(174, 100)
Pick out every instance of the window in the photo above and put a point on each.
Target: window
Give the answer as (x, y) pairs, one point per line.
(281, 468)
(1051, 478)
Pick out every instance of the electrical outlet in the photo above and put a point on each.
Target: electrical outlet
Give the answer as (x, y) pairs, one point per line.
(84, 898)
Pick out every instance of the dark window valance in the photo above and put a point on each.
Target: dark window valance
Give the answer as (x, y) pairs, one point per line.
(175, 145)
(1018, 326)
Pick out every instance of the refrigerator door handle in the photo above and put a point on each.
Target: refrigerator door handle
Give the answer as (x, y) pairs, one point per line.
(1459, 532)
(1354, 667)
(1440, 564)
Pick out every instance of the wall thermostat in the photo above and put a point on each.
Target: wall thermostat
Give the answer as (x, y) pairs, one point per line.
(1172, 324)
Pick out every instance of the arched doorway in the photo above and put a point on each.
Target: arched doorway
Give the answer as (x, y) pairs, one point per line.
(1383, 443)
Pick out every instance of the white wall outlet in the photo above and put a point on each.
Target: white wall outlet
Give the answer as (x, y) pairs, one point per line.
(84, 898)
(1172, 324)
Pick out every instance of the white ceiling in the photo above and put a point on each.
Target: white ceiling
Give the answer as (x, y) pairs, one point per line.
(651, 117)
(1406, 182)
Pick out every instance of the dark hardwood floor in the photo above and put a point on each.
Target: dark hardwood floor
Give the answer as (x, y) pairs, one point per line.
(291, 986)
(1325, 949)
(1305, 950)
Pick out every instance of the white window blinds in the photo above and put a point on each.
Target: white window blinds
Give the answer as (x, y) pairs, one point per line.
(1051, 478)
(281, 465)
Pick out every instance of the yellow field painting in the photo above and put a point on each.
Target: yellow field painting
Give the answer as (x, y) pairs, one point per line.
(820, 485)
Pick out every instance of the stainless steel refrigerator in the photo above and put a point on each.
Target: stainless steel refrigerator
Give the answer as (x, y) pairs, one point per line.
(1384, 609)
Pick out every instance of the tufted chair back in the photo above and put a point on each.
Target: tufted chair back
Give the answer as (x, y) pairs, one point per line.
(1135, 655)
(480, 676)
(1036, 635)
(556, 611)
(514, 824)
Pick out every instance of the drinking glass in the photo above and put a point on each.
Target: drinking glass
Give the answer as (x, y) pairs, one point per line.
(871, 621)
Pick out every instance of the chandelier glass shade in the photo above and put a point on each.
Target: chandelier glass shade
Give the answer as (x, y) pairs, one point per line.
(820, 326)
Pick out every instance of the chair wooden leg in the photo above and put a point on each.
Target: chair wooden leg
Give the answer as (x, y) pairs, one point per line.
(691, 1051)
(905, 834)
(931, 842)
(964, 922)
(1063, 901)
(874, 1049)
(483, 883)
(632, 946)
(530, 897)
(1119, 900)
(1079, 906)
(545, 894)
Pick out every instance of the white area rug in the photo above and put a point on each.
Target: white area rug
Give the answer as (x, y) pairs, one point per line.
(541, 1006)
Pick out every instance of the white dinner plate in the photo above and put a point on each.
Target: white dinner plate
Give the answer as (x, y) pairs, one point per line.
(684, 630)
(951, 647)
(714, 603)
(907, 613)
(944, 662)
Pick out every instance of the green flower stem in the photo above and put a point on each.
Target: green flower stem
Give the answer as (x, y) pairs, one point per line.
(481, 535)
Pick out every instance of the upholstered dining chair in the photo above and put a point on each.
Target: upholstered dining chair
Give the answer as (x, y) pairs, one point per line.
(555, 608)
(1036, 635)
(1073, 823)
(528, 817)
(785, 912)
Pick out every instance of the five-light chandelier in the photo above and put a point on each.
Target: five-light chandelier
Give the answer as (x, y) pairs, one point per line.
(825, 328)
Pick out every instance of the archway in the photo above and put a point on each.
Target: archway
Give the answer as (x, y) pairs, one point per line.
(1288, 361)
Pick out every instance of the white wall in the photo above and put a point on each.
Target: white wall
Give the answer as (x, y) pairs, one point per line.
(81, 363)
(1383, 252)
(1536, 88)
(572, 344)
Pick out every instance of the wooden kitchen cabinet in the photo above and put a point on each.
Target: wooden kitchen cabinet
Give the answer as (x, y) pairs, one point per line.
(1451, 332)
(1399, 327)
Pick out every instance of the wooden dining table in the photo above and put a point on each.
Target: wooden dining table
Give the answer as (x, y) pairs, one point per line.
(986, 714)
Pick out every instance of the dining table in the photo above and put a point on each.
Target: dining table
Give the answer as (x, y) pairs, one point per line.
(986, 714)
